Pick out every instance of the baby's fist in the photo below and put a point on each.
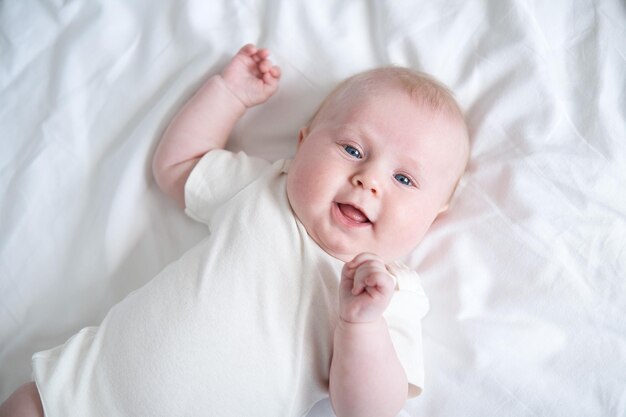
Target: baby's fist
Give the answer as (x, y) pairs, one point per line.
(366, 289)
(251, 76)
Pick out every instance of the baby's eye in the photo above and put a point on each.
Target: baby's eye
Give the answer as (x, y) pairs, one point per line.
(352, 151)
(403, 179)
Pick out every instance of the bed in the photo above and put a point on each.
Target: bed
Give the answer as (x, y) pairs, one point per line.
(526, 273)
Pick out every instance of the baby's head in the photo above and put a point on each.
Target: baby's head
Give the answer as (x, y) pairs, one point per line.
(378, 162)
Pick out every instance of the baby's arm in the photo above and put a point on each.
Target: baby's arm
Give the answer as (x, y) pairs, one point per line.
(366, 377)
(207, 119)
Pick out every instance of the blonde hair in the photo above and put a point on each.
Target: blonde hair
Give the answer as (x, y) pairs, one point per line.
(421, 87)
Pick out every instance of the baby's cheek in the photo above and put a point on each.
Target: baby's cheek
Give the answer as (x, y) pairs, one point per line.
(403, 237)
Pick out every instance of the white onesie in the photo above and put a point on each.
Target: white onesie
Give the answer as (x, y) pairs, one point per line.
(241, 325)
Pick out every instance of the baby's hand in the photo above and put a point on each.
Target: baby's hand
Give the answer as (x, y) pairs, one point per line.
(250, 76)
(365, 290)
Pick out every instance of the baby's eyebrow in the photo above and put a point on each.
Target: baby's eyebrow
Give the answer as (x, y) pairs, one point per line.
(411, 161)
(413, 166)
(353, 131)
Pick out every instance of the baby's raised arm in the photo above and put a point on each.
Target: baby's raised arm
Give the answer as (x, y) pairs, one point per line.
(366, 376)
(206, 121)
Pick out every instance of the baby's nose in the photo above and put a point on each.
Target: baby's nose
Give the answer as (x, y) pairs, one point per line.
(367, 181)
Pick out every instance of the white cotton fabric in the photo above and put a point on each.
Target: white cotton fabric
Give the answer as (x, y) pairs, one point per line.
(241, 325)
(526, 273)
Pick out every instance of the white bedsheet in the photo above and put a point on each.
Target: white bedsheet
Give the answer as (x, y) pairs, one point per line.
(526, 272)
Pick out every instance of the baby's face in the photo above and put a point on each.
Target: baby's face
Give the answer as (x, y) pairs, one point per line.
(373, 174)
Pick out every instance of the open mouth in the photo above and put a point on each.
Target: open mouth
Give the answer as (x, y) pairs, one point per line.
(353, 214)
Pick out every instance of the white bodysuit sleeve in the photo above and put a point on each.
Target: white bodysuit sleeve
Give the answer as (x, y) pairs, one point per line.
(403, 316)
(216, 178)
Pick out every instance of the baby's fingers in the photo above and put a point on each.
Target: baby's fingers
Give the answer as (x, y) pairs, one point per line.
(249, 50)
(266, 66)
(272, 75)
(258, 56)
(362, 258)
(262, 54)
(367, 284)
(372, 277)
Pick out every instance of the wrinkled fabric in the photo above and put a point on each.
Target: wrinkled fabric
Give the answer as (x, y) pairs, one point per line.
(525, 272)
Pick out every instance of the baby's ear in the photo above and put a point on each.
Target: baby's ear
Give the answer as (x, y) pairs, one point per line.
(302, 135)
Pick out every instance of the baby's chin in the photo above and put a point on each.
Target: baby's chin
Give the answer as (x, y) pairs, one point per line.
(346, 250)
(338, 250)
(388, 258)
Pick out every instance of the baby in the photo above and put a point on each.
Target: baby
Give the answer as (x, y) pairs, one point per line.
(297, 293)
